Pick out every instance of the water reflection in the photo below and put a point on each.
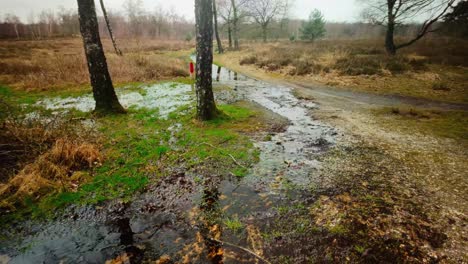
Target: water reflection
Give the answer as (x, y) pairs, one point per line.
(218, 74)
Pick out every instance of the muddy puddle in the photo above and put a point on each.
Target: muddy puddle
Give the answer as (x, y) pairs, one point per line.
(182, 220)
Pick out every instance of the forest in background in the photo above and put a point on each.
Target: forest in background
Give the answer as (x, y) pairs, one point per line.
(134, 21)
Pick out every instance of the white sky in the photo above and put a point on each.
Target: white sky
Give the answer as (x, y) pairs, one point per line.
(333, 10)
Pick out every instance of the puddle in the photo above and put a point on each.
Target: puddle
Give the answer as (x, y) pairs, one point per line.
(180, 219)
(166, 97)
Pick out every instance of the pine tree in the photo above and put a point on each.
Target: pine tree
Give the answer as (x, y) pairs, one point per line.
(314, 28)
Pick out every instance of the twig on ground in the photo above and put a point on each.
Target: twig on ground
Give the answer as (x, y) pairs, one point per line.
(242, 248)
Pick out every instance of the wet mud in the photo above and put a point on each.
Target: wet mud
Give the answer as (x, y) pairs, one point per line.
(182, 219)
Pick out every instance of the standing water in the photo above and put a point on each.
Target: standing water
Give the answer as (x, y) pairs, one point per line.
(160, 223)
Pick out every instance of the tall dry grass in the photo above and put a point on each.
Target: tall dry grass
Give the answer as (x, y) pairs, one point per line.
(42, 65)
(433, 68)
(55, 169)
(355, 57)
(39, 155)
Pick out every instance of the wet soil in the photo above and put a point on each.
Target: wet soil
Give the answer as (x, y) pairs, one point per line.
(183, 218)
(310, 198)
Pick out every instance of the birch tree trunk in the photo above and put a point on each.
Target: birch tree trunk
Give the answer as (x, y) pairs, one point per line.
(206, 107)
(109, 28)
(103, 89)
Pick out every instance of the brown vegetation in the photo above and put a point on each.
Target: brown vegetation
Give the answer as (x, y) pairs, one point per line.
(57, 168)
(40, 154)
(432, 68)
(42, 65)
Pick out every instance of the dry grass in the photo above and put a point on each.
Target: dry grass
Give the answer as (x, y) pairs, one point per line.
(52, 170)
(43, 65)
(39, 154)
(432, 68)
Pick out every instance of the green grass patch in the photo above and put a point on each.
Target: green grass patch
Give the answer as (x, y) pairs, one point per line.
(140, 148)
(233, 224)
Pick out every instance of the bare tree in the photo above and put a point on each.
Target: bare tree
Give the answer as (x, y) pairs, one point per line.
(134, 10)
(109, 28)
(68, 22)
(48, 20)
(15, 21)
(395, 13)
(238, 13)
(215, 19)
(266, 11)
(103, 89)
(206, 107)
(225, 12)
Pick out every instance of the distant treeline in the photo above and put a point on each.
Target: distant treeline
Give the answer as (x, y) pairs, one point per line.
(135, 23)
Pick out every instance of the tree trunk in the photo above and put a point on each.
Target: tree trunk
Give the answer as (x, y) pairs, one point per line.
(215, 19)
(111, 34)
(389, 37)
(264, 33)
(230, 34)
(389, 40)
(206, 107)
(103, 89)
(235, 21)
(16, 31)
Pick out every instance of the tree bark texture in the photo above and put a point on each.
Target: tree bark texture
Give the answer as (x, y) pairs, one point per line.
(206, 107)
(103, 89)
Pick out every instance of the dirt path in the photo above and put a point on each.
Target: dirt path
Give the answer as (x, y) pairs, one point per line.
(379, 100)
(433, 168)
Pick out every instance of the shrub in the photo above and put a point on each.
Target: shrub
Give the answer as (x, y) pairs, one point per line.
(358, 65)
(396, 65)
(248, 60)
(440, 86)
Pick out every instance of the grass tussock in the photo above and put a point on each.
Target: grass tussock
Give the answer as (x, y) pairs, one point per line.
(53, 170)
(43, 65)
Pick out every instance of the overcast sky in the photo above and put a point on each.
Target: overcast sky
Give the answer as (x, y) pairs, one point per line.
(334, 10)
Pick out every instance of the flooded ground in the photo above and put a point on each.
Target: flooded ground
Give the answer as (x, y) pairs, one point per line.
(183, 219)
(166, 97)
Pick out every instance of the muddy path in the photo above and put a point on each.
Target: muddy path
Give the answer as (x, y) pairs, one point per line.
(219, 219)
(364, 99)
(378, 100)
